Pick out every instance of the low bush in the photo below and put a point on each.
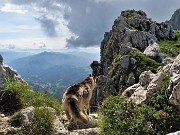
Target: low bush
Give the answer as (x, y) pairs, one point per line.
(122, 117)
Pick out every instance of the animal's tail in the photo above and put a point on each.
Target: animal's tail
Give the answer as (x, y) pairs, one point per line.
(77, 114)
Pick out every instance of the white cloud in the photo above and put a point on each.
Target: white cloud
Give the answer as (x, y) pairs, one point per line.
(35, 43)
(18, 28)
(8, 7)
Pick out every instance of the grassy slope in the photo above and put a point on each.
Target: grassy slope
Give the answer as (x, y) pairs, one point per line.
(25, 97)
(170, 48)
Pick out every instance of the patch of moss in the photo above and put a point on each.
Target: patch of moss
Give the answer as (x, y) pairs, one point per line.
(129, 13)
(170, 48)
(140, 28)
(143, 63)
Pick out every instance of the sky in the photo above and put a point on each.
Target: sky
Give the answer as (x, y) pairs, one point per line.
(67, 24)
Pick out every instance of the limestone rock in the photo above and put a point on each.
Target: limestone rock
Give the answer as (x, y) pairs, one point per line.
(152, 51)
(89, 131)
(175, 133)
(145, 78)
(174, 87)
(150, 83)
(124, 62)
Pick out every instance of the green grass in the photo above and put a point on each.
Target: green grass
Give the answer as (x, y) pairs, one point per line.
(25, 97)
(170, 48)
(143, 63)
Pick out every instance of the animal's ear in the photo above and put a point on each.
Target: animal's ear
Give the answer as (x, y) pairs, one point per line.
(90, 75)
(94, 78)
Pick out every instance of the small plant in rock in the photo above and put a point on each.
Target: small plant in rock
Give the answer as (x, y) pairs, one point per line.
(41, 123)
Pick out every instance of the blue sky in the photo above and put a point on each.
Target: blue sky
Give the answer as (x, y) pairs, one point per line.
(59, 24)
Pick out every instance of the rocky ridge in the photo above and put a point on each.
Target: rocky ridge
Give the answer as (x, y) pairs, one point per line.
(132, 64)
(175, 20)
(129, 49)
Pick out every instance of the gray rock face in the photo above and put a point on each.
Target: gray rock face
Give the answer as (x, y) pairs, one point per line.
(174, 87)
(124, 62)
(175, 20)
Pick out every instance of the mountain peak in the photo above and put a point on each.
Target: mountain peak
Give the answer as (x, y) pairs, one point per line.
(175, 20)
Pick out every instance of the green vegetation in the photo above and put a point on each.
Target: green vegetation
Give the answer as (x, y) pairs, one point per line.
(140, 28)
(16, 119)
(21, 96)
(125, 117)
(143, 63)
(115, 70)
(129, 14)
(41, 123)
(170, 48)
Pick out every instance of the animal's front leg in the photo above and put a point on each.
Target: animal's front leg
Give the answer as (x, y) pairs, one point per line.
(68, 114)
(88, 108)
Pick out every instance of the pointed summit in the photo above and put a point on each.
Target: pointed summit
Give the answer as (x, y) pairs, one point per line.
(175, 20)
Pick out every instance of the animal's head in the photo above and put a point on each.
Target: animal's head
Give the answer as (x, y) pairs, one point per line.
(93, 81)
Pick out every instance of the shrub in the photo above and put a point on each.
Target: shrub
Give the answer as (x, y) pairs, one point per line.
(119, 116)
(16, 119)
(143, 63)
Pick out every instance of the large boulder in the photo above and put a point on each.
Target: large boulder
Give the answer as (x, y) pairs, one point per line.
(152, 51)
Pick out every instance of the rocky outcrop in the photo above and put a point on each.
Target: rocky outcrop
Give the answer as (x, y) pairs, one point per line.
(123, 53)
(175, 133)
(150, 83)
(7, 71)
(152, 51)
(174, 87)
(175, 20)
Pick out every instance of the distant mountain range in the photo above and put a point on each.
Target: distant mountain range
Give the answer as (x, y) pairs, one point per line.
(54, 71)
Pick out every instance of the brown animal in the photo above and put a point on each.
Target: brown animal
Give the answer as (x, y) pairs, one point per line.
(76, 100)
